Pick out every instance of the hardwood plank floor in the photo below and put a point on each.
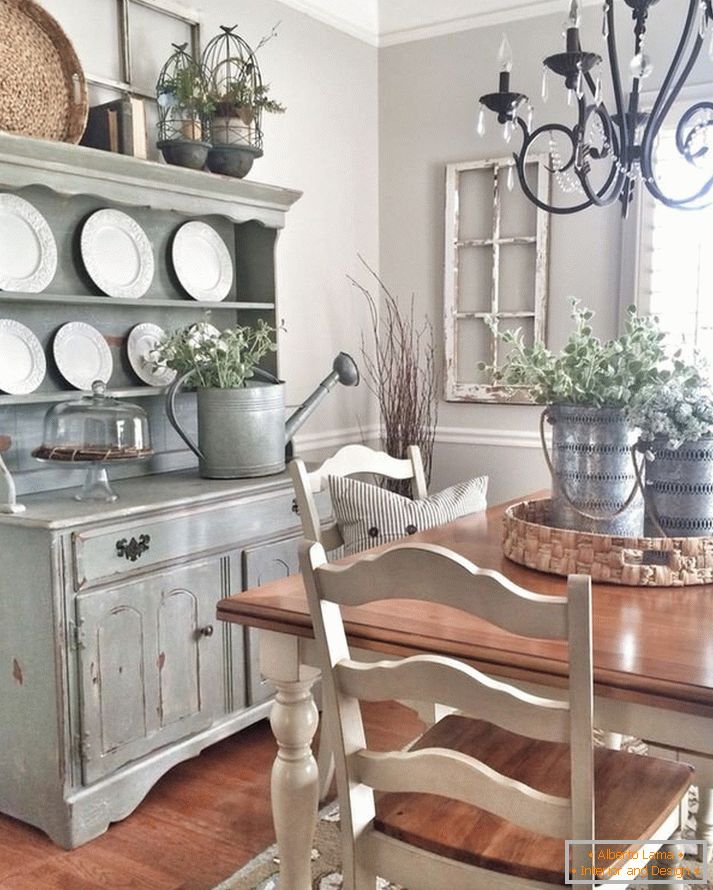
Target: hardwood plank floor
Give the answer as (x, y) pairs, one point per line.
(199, 824)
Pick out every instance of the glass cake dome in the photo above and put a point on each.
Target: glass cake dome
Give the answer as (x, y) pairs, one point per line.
(98, 430)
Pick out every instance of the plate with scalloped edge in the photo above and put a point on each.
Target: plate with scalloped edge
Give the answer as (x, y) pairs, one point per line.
(28, 251)
(82, 355)
(117, 254)
(142, 340)
(202, 262)
(22, 358)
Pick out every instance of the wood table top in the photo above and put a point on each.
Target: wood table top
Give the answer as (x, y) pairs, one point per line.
(651, 645)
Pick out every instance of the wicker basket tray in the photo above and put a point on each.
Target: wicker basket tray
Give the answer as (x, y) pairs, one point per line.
(43, 93)
(530, 540)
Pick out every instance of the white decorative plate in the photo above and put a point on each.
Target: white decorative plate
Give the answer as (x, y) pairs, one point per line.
(82, 355)
(202, 262)
(142, 339)
(22, 359)
(28, 252)
(117, 254)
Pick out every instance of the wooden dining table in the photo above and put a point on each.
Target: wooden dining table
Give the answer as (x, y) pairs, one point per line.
(653, 667)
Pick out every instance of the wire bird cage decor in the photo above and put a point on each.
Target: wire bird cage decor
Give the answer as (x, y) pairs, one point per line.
(237, 89)
(184, 106)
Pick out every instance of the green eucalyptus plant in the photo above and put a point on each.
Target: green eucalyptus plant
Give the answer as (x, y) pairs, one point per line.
(218, 359)
(588, 371)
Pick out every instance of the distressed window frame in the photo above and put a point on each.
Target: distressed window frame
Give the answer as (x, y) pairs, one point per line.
(469, 391)
(169, 8)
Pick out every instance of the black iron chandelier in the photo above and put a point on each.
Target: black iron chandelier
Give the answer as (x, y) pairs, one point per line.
(602, 157)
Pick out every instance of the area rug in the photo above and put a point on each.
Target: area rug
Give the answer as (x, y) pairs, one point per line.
(262, 872)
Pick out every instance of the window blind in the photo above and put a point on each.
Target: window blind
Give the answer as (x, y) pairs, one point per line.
(676, 256)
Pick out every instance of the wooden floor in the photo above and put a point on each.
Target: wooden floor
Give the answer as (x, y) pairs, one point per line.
(199, 824)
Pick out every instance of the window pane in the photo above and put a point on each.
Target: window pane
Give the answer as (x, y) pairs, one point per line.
(473, 345)
(475, 278)
(517, 277)
(152, 34)
(93, 28)
(475, 204)
(518, 215)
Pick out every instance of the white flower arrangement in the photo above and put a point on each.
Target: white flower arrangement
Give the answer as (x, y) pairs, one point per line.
(218, 359)
(678, 409)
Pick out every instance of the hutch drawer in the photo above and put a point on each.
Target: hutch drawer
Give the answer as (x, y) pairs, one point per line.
(105, 554)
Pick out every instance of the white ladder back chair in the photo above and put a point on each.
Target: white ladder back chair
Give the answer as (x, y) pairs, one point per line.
(349, 461)
(436, 575)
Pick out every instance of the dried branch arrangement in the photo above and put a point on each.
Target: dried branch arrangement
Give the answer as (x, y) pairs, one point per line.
(402, 372)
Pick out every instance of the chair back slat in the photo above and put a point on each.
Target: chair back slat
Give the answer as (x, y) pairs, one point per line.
(431, 678)
(433, 574)
(349, 461)
(355, 459)
(455, 775)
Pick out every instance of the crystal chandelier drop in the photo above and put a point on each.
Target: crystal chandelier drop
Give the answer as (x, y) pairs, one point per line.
(602, 157)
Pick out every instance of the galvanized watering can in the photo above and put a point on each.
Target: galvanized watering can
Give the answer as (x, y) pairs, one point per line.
(242, 432)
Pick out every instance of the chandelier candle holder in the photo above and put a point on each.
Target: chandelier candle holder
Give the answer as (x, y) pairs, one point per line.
(607, 153)
(184, 105)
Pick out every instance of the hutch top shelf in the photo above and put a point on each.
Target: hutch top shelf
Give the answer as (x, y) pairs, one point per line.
(75, 170)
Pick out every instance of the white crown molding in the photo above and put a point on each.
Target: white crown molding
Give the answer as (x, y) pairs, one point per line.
(361, 23)
(445, 435)
(497, 15)
(421, 21)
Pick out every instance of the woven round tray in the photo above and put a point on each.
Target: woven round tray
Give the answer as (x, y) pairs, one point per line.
(530, 540)
(42, 88)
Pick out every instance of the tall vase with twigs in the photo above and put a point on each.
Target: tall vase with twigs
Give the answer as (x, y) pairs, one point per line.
(402, 372)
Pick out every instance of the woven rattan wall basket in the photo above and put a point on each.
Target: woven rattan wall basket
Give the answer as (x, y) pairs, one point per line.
(642, 562)
(42, 88)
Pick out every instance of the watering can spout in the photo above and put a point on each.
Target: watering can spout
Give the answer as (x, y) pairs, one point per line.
(344, 371)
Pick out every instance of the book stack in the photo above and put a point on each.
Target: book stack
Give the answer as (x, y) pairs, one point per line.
(118, 126)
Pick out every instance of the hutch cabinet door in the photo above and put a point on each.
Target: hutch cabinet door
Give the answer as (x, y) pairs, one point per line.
(149, 664)
(262, 564)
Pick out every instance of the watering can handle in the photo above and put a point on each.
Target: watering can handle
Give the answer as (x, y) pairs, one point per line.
(171, 393)
(565, 493)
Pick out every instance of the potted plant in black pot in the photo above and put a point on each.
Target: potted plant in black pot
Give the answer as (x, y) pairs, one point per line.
(239, 97)
(588, 390)
(184, 107)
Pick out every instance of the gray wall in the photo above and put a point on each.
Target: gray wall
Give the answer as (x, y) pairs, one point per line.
(326, 145)
(428, 94)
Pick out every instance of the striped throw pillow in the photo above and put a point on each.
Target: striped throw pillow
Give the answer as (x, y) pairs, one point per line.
(368, 515)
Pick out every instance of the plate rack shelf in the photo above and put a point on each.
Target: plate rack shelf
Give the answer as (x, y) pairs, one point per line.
(89, 300)
(66, 184)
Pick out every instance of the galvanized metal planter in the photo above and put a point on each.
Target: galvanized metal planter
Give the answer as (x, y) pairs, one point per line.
(241, 432)
(594, 485)
(679, 489)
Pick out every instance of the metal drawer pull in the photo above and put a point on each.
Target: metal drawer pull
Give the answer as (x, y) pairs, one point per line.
(206, 631)
(133, 549)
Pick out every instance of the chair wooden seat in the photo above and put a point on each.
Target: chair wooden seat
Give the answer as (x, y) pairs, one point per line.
(632, 795)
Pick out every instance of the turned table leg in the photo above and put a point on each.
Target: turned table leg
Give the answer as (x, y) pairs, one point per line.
(295, 779)
(704, 819)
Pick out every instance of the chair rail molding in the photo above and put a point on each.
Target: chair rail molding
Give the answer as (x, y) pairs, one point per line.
(445, 435)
